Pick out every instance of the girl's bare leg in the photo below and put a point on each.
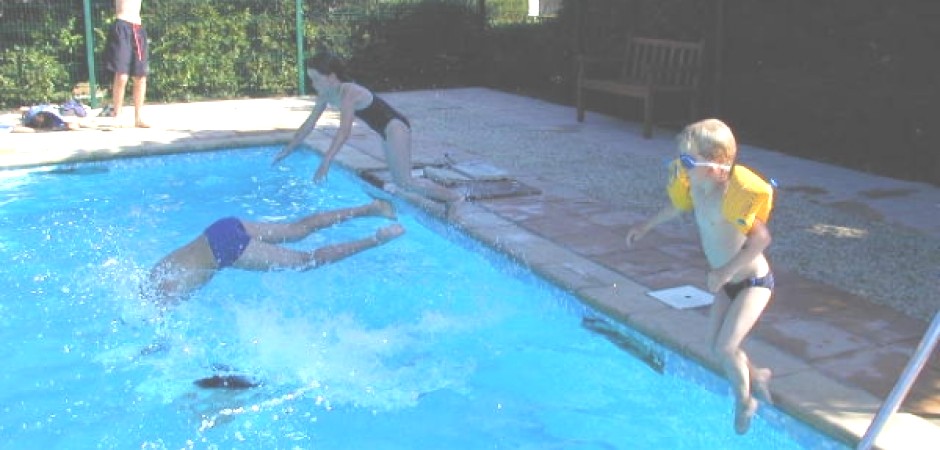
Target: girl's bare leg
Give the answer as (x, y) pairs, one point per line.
(398, 158)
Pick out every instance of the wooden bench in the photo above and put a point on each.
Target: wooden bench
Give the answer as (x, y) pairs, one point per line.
(650, 66)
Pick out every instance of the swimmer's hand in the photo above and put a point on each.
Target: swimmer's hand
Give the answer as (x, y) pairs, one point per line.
(389, 232)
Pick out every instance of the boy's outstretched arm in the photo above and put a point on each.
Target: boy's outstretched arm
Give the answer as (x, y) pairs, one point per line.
(758, 239)
(664, 215)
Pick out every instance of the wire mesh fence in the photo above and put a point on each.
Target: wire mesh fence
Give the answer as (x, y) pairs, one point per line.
(52, 50)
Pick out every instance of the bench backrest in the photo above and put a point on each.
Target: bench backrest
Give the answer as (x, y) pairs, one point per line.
(673, 63)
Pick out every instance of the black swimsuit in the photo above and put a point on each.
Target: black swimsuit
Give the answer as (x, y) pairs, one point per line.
(378, 114)
(733, 289)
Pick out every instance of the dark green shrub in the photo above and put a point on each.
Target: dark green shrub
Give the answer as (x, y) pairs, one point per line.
(198, 58)
(32, 75)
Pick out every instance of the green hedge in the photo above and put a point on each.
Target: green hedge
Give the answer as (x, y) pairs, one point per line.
(240, 48)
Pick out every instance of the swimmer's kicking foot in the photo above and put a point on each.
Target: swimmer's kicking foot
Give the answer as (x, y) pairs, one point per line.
(743, 413)
(388, 233)
(383, 208)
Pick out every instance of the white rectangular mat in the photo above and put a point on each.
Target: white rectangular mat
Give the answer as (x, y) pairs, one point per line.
(683, 297)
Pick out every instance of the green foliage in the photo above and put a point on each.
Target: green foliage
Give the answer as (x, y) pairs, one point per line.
(199, 57)
(35, 68)
(531, 58)
(424, 45)
(31, 76)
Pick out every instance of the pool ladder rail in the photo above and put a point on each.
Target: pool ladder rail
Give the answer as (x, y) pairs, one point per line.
(904, 383)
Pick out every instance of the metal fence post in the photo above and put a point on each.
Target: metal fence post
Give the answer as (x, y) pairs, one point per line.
(301, 86)
(90, 56)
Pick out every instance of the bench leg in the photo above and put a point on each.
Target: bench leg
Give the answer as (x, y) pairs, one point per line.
(580, 105)
(648, 116)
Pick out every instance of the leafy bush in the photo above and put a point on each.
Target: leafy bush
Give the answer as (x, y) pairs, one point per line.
(31, 76)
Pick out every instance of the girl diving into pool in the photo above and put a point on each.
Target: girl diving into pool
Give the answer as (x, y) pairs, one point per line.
(233, 242)
(353, 100)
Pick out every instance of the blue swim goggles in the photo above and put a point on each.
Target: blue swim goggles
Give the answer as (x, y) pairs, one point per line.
(688, 161)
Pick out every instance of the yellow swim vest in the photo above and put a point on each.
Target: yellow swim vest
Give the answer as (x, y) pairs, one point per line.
(748, 196)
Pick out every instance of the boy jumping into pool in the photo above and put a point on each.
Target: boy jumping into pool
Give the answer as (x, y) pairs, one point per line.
(731, 206)
(232, 242)
(328, 76)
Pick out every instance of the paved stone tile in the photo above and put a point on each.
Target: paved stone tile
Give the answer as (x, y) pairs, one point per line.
(811, 339)
(592, 242)
(618, 220)
(578, 273)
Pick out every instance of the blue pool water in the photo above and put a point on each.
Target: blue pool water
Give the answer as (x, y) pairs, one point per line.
(431, 341)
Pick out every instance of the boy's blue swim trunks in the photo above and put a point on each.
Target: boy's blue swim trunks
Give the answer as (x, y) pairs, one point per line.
(227, 240)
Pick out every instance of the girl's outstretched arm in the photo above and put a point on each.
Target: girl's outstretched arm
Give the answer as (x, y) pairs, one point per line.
(305, 129)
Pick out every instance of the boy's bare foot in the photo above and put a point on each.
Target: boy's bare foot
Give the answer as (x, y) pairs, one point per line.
(760, 385)
(142, 124)
(384, 208)
(743, 413)
(390, 232)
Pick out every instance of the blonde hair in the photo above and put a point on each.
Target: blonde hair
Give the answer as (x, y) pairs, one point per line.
(712, 139)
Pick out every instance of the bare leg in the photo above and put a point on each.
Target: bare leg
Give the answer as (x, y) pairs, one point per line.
(398, 158)
(300, 229)
(118, 86)
(759, 377)
(140, 91)
(262, 256)
(734, 320)
(333, 253)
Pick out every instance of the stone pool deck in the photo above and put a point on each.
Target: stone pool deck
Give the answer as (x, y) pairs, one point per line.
(836, 355)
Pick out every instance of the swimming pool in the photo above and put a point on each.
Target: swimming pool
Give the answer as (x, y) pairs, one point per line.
(431, 341)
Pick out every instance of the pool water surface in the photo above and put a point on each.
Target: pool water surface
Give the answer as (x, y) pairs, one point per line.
(430, 341)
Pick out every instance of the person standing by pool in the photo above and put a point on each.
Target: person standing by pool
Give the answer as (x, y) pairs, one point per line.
(731, 205)
(126, 56)
(232, 242)
(353, 100)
